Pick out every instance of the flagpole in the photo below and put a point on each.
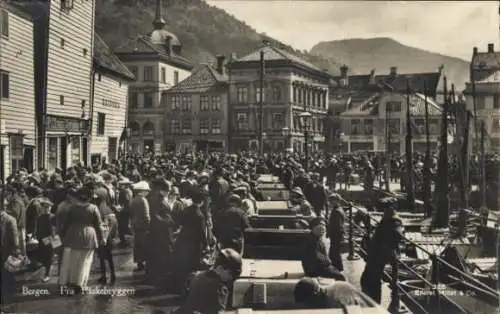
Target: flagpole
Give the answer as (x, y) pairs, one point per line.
(483, 166)
(427, 167)
(409, 153)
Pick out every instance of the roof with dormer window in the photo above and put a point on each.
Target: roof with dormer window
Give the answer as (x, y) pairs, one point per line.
(104, 58)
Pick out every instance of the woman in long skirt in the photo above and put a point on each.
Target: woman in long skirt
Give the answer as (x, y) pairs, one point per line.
(82, 235)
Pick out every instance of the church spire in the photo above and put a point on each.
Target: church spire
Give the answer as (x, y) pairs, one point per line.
(159, 22)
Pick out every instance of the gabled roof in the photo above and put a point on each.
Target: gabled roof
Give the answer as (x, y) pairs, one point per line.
(275, 54)
(106, 59)
(142, 46)
(364, 105)
(201, 80)
(398, 82)
(486, 60)
(370, 106)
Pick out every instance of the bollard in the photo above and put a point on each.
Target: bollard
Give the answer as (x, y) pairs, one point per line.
(395, 305)
(368, 233)
(352, 256)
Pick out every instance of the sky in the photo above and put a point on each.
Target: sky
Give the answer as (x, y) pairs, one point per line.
(447, 27)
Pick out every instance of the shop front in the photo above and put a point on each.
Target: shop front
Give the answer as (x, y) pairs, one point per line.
(66, 142)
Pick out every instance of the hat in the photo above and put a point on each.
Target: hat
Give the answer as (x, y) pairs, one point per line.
(234, 198)
(204, 174)
(175, 190)
(298, 191)
(44, 201)
(124, 180)
(141, 186)
(306, 289)
(316, 221)
(240, 189)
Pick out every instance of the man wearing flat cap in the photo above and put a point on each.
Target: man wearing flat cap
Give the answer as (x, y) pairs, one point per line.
(383, 243)
(301, 205)
(315, 260)
(336, 231)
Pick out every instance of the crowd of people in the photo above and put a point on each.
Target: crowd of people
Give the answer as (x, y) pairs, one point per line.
(187, 213)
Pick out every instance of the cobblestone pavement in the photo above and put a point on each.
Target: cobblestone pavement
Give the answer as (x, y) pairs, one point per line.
(132, 294)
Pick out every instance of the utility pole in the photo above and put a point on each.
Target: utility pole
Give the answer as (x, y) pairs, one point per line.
(483, 166)
(261, 104)
(427, 166)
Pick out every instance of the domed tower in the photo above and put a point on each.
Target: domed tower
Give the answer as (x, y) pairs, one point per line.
(160, 36)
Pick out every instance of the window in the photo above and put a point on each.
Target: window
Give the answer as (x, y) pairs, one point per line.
(242, 95)
(433, 126)
(75, 150)
(257, 94)
(295, 92)
(393, 106)
(419, 126)
(355, 127)
(204, 125)
(496, 125)
(135, 71)
(368, 127)
(215, 103)
(175, 126)
(85, 51)
(99, 77)
(496, 101)
(163, 75)
(480, 102)
(176, 77)
(61, 100)
(148, 129)
(277, 121)
(216, 126)
(135, 129)
(394, 126)
(175, 103)
(148, 74)
(204, 103)
(101, 123)
(5, 84)
(186, 103)
(277, 93)
(186, 126)
(4, 25)
(242, 122)
(148, 100)
(52, 153)
(133, 100)
(299, 95)
(63, 42)
(16, 151)
(66, 4)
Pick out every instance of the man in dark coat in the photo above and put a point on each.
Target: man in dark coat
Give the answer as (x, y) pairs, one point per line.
(191, 241)
(230, 224)
(209, 290)
(336, 231)
(218, 190)
(315, 260)
(17, 209)
(385, 240)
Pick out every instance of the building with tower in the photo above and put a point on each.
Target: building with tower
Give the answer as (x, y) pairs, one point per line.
(156, 62)
(292, 86)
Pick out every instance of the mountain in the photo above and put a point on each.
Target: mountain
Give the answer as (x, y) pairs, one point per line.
(382, 53)
(204, 30)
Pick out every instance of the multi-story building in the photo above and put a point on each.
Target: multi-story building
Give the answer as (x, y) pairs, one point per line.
(17, 91)
(291, 86)
(156, 62)
(376, 106)
(110, 96)
(63, 64)
(196, 111)
(485, 73)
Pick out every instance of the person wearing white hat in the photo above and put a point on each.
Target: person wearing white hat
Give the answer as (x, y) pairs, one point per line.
(140, 214)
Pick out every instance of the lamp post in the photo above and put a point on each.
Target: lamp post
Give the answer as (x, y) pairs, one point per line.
(288, 143)
(305, 119)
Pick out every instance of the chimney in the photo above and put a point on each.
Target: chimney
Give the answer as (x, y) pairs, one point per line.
(233, 57)
(343, 70)
(221, 64)
(491, 48)
(372, 72)
(474, 51)
(265, 42)
(394, 71)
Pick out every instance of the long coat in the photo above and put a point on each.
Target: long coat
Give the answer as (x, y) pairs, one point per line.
(140, 214)
(9, 239)
(190, 243)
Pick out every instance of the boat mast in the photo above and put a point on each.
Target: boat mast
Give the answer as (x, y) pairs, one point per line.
(442, 186)
(410, 193)
(427, 165)
(483, 165)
